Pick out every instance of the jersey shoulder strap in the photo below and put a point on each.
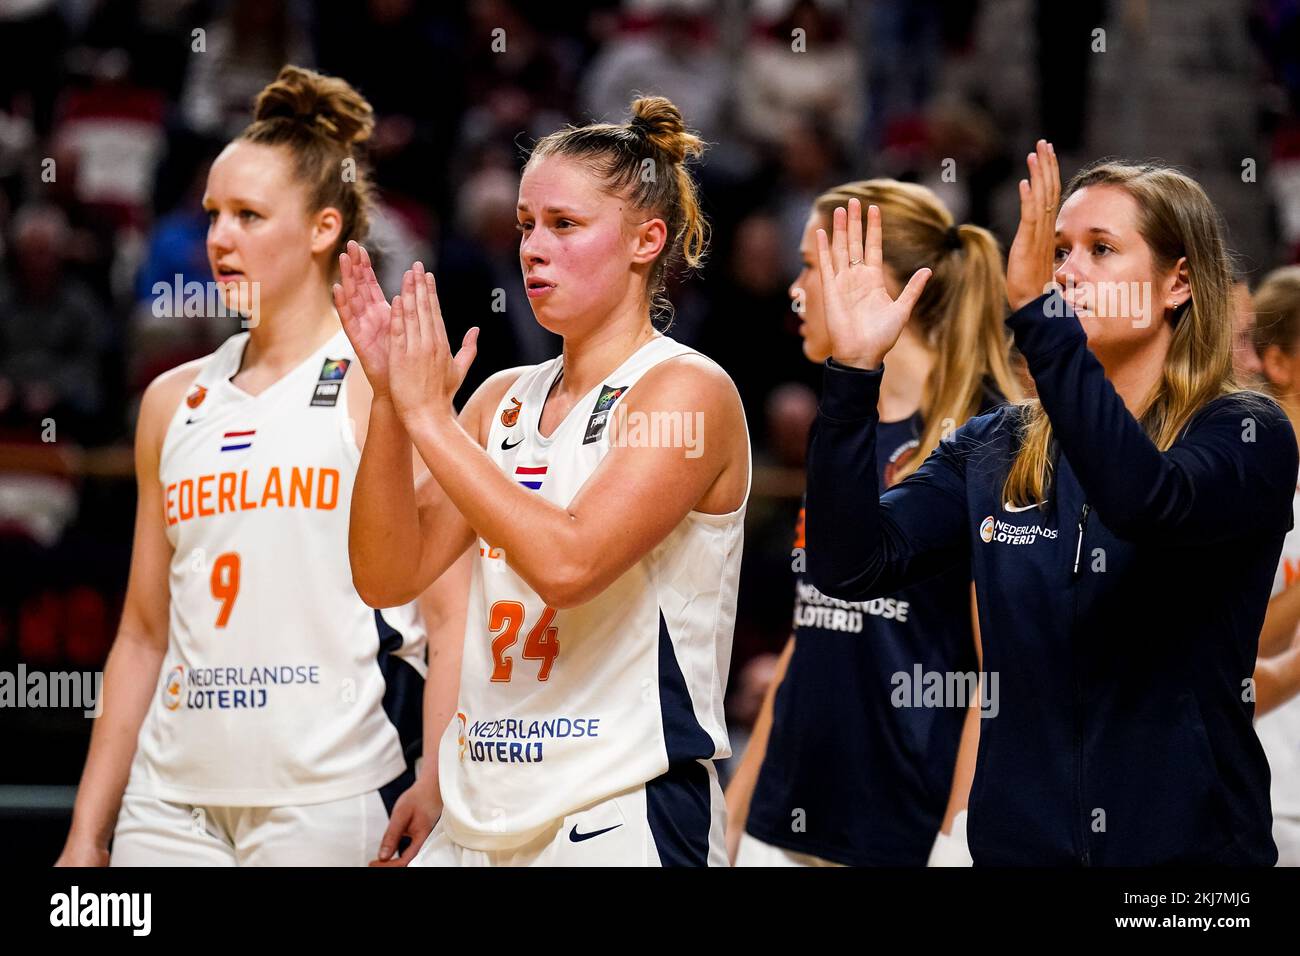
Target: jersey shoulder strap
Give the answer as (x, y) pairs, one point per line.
(223, 362)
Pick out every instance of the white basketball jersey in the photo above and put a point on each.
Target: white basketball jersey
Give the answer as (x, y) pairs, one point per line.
(279, 681)
(1279, 730)
(562, 708)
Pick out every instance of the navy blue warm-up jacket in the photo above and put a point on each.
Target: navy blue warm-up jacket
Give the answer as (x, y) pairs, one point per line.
(1122, 616)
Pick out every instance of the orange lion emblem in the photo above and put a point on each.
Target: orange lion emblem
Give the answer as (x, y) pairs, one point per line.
(510, 416)
(196, 396)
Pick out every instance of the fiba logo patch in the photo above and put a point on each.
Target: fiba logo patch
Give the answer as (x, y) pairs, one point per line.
(986, 529)
(172, 687)
(333, 370)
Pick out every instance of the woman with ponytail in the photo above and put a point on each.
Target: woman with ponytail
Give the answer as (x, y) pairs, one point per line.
(1123, 527)
(256, 711)
(837, 771)
(1276, 339)
(604, 492)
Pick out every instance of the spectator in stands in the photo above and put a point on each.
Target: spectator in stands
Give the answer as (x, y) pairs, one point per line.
(673, 57)
(242, 51)
(803, 65)
(51, 332)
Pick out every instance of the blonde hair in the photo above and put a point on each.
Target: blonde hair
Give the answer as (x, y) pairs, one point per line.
(320, 120)
(1276, 305)
(960, 314)
(1175, 219)
(631, 160)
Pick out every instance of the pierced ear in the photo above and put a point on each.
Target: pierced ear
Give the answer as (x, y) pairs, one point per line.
(325, 230)
(651, 236)
(1178, 297)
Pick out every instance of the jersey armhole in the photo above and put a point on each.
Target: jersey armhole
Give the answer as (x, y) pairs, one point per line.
(349, 422)
(509, 381)
(169, 419)
(711, 516)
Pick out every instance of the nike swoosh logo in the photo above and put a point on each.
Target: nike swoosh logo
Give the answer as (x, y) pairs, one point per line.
(1006, 505)
(507, 447)
(576, 837)
(191, 421)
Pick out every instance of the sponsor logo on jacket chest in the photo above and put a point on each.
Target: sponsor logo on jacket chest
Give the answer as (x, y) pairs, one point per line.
(996, 531)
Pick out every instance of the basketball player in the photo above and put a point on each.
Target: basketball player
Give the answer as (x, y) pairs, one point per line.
(257, 711)
(1124, 527)
(1276, 335)
(847, 775)
(605, 492)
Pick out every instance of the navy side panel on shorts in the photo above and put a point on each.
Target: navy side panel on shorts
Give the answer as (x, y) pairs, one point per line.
(404, 705)
(677, 802)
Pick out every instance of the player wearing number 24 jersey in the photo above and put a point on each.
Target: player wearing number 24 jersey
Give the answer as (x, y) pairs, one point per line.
(603, 496)
(561, 706)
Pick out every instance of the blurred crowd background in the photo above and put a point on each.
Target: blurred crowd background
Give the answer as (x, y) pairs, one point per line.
(111, 110)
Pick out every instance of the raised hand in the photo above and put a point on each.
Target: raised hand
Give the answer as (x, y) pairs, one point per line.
(1031, 261)
(423, 374)
(365, 313)
(862, 319)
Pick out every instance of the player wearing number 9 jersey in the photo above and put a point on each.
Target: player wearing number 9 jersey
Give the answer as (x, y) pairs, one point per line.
(605, 492)
(257, 711)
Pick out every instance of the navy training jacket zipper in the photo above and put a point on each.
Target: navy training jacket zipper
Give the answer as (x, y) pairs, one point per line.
(1078, 547)
(1085, 857)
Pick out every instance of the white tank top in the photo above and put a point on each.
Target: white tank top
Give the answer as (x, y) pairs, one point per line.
(1279, 730)
(559, 709)
(278, 680)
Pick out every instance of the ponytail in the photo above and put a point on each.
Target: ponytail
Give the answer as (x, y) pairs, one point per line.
(971, 345)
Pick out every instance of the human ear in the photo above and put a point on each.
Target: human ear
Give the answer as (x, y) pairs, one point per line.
(648, 240)
(1179, 287)
(325, 229)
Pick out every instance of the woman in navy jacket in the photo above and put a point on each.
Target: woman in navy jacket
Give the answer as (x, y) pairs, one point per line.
(836, 770)
(1122, 529)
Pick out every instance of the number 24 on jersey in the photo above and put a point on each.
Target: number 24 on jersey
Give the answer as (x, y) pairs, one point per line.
(541, 644)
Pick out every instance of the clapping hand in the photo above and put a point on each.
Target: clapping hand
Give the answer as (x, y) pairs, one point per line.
(365, 313)
(423, 373)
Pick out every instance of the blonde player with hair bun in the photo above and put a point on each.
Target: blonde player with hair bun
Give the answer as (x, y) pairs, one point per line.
(257, 712)
(604, 492)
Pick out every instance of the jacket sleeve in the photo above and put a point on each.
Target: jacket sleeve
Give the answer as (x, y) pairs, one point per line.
(1232, 472)
(862, 545)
